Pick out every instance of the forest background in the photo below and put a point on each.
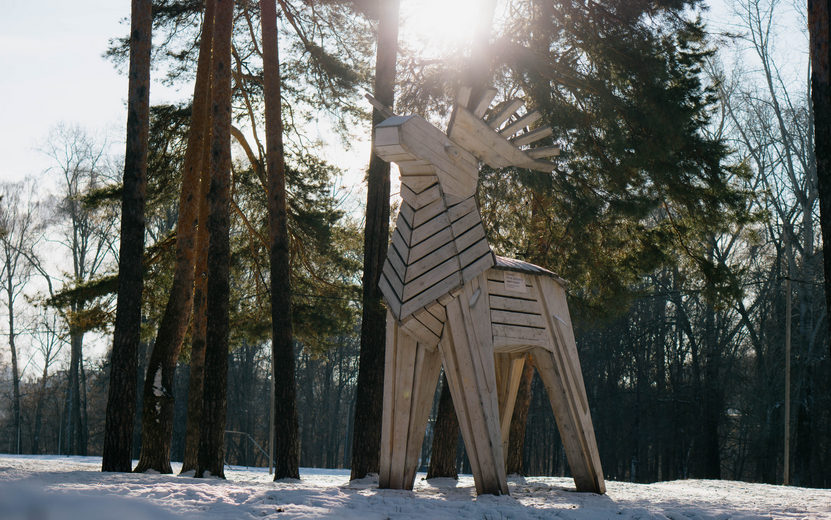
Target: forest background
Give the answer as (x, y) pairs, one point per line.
(682, 345)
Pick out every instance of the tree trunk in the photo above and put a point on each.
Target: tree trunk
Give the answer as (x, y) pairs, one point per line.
(516, 436)
(74, 430)
(366, 440)
(121, 399)
(198, 333)
(819, 27)
(445, 437)
(157, 415)
(211, 441)
(286, 448)
(15, 371)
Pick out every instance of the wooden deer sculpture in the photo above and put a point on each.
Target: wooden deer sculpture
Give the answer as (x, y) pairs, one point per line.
(452, 302)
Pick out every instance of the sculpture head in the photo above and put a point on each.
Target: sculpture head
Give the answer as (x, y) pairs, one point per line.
(500, 140)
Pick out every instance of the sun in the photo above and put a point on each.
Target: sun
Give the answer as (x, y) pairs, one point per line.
(438, 26)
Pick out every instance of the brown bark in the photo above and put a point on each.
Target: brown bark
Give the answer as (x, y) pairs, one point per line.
(519, 420)
(211, 440)
(157, 414)
(198, 328)
(287, 450)
(15, 371)
(445, 437)
(76, 436)
(121, 400)
(819, 28)
(366, 441)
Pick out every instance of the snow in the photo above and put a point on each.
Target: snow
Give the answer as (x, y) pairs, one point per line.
(69, 488)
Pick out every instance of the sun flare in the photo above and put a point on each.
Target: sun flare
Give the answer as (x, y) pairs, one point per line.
(437, 26)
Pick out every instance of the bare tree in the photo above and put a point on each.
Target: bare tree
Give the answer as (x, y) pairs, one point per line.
(20, 225)
(88, 234)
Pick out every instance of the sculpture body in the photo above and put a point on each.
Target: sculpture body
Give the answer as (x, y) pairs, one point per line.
(452, 302)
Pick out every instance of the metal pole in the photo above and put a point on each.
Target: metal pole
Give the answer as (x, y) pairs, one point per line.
(787, 462)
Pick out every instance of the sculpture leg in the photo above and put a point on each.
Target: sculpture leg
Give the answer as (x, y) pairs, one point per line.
(508, 375)
(410, 375)
(469, 367)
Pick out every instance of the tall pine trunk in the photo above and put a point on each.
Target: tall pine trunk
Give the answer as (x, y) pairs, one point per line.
(819, 28)
(157, 414)
(287, 451)
(211, 440)
(366, 440)
(76, 439)
(121, 399)
(198, 330)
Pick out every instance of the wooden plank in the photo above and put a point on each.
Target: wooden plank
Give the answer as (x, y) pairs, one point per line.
(466, 222)
(506, 345)
(420, 332)
(416, 170)
(419, 200)
(426, 273)
(386, 136)
(425, 247)
(546, 151)
(395, 261)
(479, 266)
(437, 310)
(517, 318)
(506, 303)
(457, 168)
(430, 228)
(435, 292)
(400, 247)
(392, 299)
(406, 212)
(461, 209)
(567, 392)
(430, 269)
(524, 333)
(509, 373)
(396, 284)
(473, 253)
(503, 115)
(427, 369)
(484, 103)
(498, 288)
(431, 322)
(470, 237)
(463, 96)
(419, 183)
(388, 401)
(405, 359)
(403, 227)
(526, 120)
(532, 136)
(426, 213)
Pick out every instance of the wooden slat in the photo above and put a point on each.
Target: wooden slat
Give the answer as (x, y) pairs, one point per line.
(395, 261)
(423, 214)
(461, 209)
(419, 200)
(500, 117)
(425, 247)
(485, 102)
(429, 321)
(396, 284)
(416, 169)
(466, 222)
(515, 304)
(419, 331)
(437, 310)
(517, 318)
(532, 136)
(463, 96)
(526, 120)
(470, 237)
(427, 369)
(525, 333)
(403, 227)
(388, 400)
(479, 266)
(387, 136)
(506, 345)
(435, 292)
(498, 288)
(546, 151)
(430, 228)
(405, 359)
(426, 273)
(401, 247)
(473, 253)
(419, 183)
(406, 212)
(390, 296)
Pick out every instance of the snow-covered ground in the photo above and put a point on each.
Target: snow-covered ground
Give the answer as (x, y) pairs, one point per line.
(64, 488)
